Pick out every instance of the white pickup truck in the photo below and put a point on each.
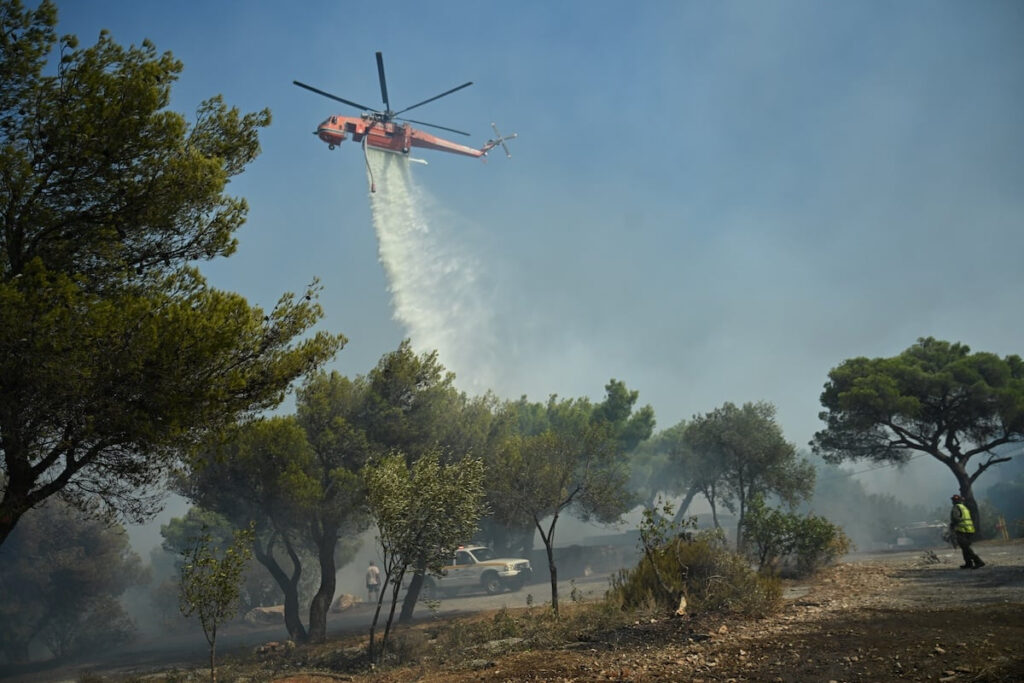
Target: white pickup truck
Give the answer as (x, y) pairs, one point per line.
(476, 567)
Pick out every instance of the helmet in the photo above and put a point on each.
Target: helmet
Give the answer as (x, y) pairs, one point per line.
(956, 498)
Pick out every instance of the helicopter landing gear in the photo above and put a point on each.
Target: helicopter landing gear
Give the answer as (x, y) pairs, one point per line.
(330, 146)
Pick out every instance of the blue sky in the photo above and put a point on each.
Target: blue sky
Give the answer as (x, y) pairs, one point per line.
(711, 201)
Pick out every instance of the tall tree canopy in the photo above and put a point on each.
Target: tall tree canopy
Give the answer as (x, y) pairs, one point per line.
(745, 454)
(114, 353)
(264, 472)
(936, 397)
(570, 455)
(60, 582)
(329, 410)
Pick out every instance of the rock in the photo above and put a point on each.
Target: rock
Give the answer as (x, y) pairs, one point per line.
(265, 615)
(681, 611)
(345, 601)
(501, 645)
(275, 647)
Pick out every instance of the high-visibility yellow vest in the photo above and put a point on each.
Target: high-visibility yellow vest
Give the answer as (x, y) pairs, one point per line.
(966, 524)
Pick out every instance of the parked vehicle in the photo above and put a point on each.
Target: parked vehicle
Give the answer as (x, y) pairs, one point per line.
(475, 567)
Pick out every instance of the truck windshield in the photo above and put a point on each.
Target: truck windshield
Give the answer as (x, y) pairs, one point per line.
(483, 554)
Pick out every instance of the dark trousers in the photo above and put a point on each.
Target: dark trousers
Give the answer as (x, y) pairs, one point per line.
(971, 558)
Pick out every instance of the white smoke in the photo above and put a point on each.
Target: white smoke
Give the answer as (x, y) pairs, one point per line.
(433, 281)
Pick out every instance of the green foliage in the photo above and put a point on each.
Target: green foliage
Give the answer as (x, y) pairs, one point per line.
(740, 452)
(659, 467)
(209, 584)
(60, 579)
(180, 532)
(569, 455)
(410, 401)
(332, 413)
(257, 587)
(266, 472)
(677, 563)
(115, 355)
(421, 513)
(935, 397)
(804, 543)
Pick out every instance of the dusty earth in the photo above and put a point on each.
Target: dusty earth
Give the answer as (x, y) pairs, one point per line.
(911, 616)
(907, 616)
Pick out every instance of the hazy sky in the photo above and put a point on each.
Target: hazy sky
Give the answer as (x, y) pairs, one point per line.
(711, 201)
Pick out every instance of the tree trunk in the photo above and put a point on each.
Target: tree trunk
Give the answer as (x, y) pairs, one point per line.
(213, 661)
(549, 540)
(740, 544)
(685, 505)
(413, 594)
(391, 614)
(967, 493)
(16, 499)
(554, 575)
(385, 583)
(289, 587)
(326, 537)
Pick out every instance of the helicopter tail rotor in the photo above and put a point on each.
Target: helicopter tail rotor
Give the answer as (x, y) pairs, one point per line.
(500, 140)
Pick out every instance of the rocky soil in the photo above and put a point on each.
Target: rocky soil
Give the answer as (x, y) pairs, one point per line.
(908, 616)
(911, 616)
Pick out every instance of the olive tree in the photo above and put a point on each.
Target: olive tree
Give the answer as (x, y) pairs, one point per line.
(421, 512)
(209, 584)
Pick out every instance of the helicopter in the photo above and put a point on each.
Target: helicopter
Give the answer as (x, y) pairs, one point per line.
(382, 129)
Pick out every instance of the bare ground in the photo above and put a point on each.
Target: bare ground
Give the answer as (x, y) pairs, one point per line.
(906, 616)
(911, 616)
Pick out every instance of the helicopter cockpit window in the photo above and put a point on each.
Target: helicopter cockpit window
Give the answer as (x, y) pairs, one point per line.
(334, 120)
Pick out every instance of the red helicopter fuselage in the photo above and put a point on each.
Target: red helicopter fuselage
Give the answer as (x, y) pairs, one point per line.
(389, 136)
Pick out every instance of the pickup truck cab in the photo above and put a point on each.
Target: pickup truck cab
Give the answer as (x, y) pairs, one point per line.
(477, 567)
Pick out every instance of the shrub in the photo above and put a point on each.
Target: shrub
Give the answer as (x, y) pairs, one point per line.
(698, 566)
(777, 539)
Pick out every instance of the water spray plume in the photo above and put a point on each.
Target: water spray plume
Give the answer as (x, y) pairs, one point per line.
(432, 280)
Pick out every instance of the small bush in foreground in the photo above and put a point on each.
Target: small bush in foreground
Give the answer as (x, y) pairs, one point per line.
(698, 566)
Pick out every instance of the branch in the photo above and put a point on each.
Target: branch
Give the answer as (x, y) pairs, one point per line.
(1005, 439)
(988, 463)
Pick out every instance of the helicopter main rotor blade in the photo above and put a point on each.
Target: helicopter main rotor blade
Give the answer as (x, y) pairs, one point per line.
(383, 83)
(434, 125)
(334, 97)
(436, 97)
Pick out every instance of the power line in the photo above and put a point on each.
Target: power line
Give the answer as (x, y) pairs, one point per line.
(883, 466)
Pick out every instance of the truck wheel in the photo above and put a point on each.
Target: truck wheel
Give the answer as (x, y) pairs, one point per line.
(491, 583)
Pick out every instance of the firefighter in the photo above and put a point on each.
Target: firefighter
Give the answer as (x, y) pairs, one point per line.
(962, 526)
